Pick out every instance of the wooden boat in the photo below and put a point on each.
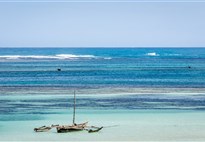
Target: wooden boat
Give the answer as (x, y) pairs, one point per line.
(74, 126)
(71, 128)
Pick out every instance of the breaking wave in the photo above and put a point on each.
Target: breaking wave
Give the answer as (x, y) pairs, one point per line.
(57, 57)
(152, 54)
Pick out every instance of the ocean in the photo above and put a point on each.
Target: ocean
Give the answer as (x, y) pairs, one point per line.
(37, 85)
(99, 67)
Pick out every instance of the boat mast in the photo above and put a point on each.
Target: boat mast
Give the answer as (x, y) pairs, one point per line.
(74, 100)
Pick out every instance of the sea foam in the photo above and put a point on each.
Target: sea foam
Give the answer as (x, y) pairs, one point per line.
(152, 54)
(57, 56)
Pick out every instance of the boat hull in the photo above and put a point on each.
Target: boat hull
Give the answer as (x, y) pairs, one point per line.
(66, 130)
(71, 128)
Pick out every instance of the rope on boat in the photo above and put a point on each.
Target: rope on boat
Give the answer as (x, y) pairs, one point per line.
(110, 126)
(103, 126)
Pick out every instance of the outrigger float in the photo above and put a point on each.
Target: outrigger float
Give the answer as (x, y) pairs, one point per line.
(70, 128)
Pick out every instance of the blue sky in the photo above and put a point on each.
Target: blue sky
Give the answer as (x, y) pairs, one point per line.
(102, 24)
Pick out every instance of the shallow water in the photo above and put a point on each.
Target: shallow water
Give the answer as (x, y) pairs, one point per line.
(137, 125)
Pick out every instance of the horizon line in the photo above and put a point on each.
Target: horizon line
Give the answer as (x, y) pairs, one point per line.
(104, 1)
(107, 47)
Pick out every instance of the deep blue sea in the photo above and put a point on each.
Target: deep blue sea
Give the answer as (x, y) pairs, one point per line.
(30, 82)
(103, 67)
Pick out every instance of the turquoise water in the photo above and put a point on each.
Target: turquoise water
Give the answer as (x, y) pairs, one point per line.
(109, 79)
(148, 93)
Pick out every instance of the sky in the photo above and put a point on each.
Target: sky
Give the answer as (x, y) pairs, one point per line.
(102, 23)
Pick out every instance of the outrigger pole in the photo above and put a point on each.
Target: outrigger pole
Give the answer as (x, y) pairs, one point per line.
(74, 100)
